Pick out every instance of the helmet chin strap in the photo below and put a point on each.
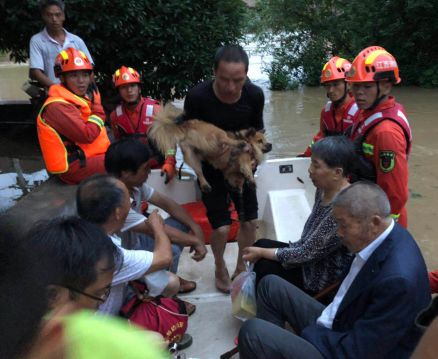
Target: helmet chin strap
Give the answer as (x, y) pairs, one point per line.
(342, 99)
(378, 98)
(133, 103)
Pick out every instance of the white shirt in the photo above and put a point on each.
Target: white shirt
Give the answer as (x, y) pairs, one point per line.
(329, 313)
(135, 264)
(44, 49)
(138, 194)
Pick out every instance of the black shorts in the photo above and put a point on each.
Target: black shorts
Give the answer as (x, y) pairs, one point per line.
(218, 200)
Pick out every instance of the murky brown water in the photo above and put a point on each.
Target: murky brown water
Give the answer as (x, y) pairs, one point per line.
(291, 118)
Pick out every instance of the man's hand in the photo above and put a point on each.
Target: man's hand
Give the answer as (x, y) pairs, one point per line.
(252, 254)
(200, 251)
(156, 221)
(168, 169)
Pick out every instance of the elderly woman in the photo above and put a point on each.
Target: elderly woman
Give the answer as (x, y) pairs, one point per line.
(318, 259)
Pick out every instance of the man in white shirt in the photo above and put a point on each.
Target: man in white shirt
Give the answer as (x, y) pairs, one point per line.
(105, 201)
(373, 312)
(129, 161)
(47, 44)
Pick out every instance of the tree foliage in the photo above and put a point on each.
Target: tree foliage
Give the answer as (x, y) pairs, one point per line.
(171, 42)
(307, 33)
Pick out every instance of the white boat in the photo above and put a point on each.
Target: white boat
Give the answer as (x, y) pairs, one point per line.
(285, 194)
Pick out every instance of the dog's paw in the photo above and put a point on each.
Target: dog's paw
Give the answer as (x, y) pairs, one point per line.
(206, 188)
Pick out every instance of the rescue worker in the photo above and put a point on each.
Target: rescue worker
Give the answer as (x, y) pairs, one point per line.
(70, 124)
(134, 115)
(340, 112)
(382, 134)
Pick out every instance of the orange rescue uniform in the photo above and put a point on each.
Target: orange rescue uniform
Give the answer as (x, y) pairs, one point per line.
(334, 121)
(72, 135)
(387, 146)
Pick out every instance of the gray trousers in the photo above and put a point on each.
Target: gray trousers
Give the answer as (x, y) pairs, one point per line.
(132, 240)
(278, 302)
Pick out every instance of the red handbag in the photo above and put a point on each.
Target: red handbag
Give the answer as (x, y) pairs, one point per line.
(166, 316)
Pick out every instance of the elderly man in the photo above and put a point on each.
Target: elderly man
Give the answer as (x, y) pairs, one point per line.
(373, 312)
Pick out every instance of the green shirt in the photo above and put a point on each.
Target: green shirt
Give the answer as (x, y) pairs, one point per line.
(91, 336)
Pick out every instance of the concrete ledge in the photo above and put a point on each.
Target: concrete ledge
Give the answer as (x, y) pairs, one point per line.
(51, 199)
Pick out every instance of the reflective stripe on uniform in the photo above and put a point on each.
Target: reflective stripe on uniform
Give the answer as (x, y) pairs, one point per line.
(395, 216)
(97, 120)
(367, 148)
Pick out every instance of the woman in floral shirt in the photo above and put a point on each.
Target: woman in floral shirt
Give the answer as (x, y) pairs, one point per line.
(318, 259)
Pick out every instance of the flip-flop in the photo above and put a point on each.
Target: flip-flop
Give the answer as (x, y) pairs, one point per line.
(185, 342)
(186, 286)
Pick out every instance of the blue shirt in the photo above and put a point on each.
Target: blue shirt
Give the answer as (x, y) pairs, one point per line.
(44, 49)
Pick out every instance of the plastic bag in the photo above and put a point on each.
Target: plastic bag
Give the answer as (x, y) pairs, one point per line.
(243, 295)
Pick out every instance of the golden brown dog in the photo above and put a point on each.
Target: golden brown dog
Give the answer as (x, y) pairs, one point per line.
(234, 154)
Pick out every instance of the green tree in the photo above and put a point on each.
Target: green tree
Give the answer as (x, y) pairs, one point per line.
(308, 33)
(171, 42)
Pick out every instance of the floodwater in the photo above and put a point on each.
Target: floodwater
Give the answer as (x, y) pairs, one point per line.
(291, 118)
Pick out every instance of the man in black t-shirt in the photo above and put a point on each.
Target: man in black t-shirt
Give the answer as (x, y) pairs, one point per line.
(233, 103)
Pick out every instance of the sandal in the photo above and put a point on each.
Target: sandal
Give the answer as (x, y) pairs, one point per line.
(184, 343)
(190, 308)
(186, 286)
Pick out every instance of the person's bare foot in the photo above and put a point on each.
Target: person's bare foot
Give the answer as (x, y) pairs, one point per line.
(222, 278)
(237, 271)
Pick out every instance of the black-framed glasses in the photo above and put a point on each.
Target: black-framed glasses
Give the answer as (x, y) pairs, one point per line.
(102, 298)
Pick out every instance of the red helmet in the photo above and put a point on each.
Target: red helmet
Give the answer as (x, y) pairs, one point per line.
(125, 75)
(335, 69)
(71, 60)
(374, 64)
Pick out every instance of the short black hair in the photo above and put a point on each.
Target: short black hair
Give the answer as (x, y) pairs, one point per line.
(335, 151)
(23, 298)
(72, 247)
(126, 155)
(44, 4)
(231, 53)
(97, 197)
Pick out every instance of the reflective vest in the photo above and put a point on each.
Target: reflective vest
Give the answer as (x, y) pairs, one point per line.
(148, 108)
(359, 131)
(349, 116)
(55, 146)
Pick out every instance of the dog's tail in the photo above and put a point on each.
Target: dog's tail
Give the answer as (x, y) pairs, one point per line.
(165, 132)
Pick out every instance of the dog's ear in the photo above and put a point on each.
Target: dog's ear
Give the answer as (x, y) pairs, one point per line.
(262, 131)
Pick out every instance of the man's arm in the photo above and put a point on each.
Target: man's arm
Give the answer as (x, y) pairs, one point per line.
(391, 164)
(66, 120)
(176, 236)
(176, 211)
(162, 249)
(36, 64)
(40, 76)
(258, 105)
